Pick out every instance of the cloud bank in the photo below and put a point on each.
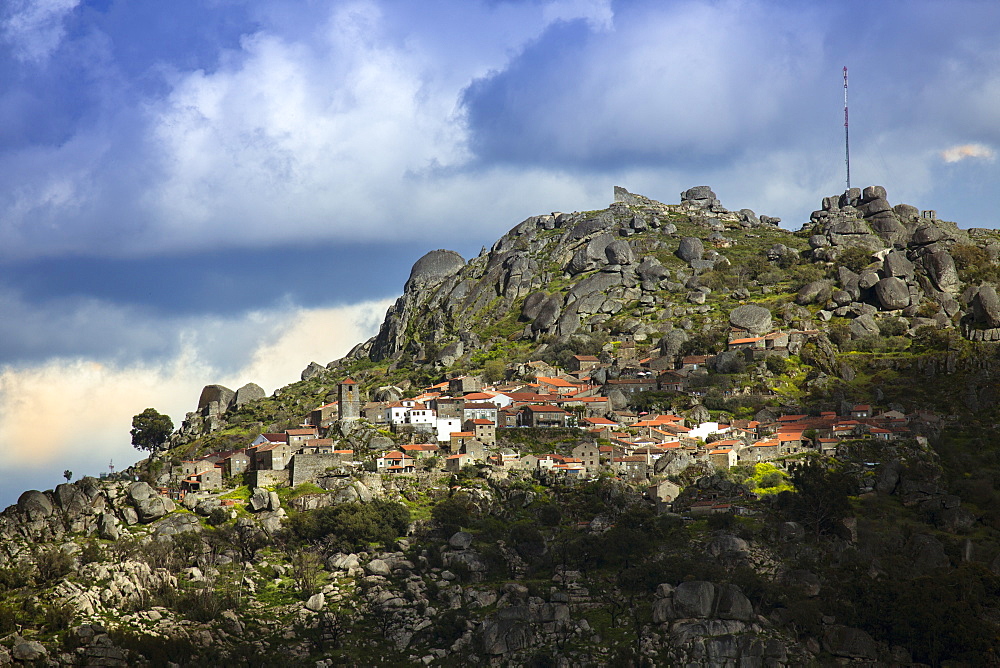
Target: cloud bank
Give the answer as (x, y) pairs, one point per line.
(369, 120)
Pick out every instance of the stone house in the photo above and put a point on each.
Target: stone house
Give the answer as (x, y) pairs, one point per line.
(272, 457)
(583, 362)
(464, 385)
(195, 466)
(761, 451)
(692, 362)
(316, 446)
(454, 463)
(376, 412)
(670, 381)
(790, 442)
(542, 416)
(507, 416)
(749, 343)
(475, 449)
(306, 467)
(206, 480)
(662, 494)
(421, 450)
(449, 407)
(556, 385)
(458, 440)
(589, 455)
(630, 386)
(296, 437)
(235, 464)
(861, 411)
(634, 467)
(484, 430)
(776, 341)
(394, 462)
(325, 415)
(828, 446)
(723, 458)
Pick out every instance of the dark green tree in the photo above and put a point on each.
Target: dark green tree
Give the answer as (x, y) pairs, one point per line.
(820, 499)
(150, 429)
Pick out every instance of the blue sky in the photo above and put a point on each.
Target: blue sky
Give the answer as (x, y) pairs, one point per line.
(225, 190)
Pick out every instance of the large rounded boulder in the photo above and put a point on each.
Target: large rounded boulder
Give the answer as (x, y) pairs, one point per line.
(986, 306)
(219, 394)
(751, 317)
(433, 268)
(36, 505)
(249, 392)
(690, 249)
(941, 268)
(892, 293)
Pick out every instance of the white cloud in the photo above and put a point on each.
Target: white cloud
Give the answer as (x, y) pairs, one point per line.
(34, 28)
(312, 136)
(966, 151)
(76, 413)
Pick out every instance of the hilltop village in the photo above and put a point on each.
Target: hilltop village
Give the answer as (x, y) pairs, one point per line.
(465, 422)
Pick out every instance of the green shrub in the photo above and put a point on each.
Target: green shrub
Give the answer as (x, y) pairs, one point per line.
(218, 517)
(453, 513)
(15, 576)
(776, 364)
(53, 564)
(91, 552)
(855, 258)
(9, 618)
(892, 327)
(58, 617)
(351, 526)
(204, 605)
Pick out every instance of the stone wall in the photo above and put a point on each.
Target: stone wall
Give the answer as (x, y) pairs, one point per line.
(267, 478)
(306, 467)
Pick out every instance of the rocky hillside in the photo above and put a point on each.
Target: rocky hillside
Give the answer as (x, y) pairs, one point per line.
(887, 554)
(628, 269)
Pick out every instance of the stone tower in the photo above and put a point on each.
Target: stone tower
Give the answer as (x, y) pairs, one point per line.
(349, 400)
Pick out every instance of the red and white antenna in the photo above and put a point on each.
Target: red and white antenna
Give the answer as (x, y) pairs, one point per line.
(847, 137)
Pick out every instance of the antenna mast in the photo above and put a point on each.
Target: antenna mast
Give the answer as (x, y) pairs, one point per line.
(847, 137)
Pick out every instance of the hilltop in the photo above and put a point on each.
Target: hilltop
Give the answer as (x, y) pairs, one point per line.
(644, 435)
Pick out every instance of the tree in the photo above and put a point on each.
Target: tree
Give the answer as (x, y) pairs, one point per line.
(150, 429)
(820, 499)
(494, 371)
(68, 475)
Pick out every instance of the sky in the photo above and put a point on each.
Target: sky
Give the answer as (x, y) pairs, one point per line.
(222, 191)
